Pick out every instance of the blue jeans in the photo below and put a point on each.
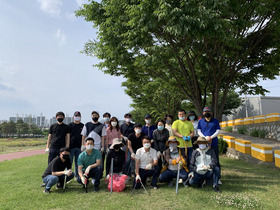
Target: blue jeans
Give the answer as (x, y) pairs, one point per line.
(197, 179)
(144, 174)
(168, 175)
(51, 180)
(95, 173)
(75, 152)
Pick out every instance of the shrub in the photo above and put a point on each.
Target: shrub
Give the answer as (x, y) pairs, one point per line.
(228, 129)
(254, 132)
(262, 133)
(242, 130)
(223, 145)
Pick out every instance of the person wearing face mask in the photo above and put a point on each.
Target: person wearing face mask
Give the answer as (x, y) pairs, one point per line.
(204, 165)
(161, 136)
(59, 137)
(113, 131)
(209, 128)
(106, 119)
(173, 157)
(146, 160)
(194, 120)
(119, 158)
(89, 164)
(148, 129)
(184, 131)
(55, 172)
(75, 139)
(168, 124)
(134, 143)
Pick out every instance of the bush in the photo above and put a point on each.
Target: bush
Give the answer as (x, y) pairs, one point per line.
(223, 145)
(242, 130)
(228, 129)
(262, 133)
(254, 132)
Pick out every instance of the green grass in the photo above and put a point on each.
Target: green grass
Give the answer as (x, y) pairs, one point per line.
(244, 186)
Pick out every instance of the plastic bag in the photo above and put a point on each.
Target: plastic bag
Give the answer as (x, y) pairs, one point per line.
(118, 182)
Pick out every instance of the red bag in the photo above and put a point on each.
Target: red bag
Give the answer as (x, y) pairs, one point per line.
(118, 182)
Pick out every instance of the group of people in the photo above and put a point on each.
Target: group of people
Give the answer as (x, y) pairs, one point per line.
(155, 152)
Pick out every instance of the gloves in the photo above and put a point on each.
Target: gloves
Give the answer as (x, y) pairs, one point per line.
(83, 179)
(47, 150)
(102, 150)
(208, 138)
(87, 170)
(149, 166)
(158, 154)
(107, 150)
(206, 167)
(83, 148)
(68, 172)
(190, 175)
(138, 178)
(187, 138)
(108, 176)
(181, 163)
(125, 138)
(133, 155)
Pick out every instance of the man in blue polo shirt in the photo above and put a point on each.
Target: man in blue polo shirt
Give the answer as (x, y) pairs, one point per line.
(209, 128)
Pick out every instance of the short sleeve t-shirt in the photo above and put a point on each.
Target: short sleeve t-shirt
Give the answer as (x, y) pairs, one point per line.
(85, 159)
(127, 129)
(112, 134)
(57, 165)
(58, 133)
(75, 134)
(184, 128)
(149, 130)
(136, 142)
(145, 157)
(209, 128)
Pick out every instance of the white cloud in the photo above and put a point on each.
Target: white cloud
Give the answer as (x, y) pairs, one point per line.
(70, 16)
(80, 2)
(6, 69)
(52, 7)
(61, 37)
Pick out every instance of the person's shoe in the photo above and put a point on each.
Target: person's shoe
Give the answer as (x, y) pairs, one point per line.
(154, 187)
(47, 191)
(220, 182)
(59, 186)
(216, 189)
(92, 181)
(180, 181)
(148, 179)
(44, 185)
(170, 184)
(96, 188)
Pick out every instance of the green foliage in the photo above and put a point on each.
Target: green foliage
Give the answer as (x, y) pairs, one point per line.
(228, 128)
(223, 145)
(262, 133)
(254, 132)
(242, 130)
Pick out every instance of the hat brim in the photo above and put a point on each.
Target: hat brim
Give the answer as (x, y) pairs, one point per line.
(201, 142)
(168, 142)
(112, 146)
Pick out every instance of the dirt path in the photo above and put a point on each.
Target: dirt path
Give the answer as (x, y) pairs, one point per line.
(18, 155)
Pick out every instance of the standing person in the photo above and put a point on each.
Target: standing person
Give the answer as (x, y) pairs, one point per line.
(146, 160)
(95, 130)
(113, 131)
(183, 130)
(148, 129)
(55, 172)
(89, 164)
(194, 120)
(76, 139)
(168, 124)
(106, 118)
(161, 136)
(59, 137)
(209, 128)
(134, 143)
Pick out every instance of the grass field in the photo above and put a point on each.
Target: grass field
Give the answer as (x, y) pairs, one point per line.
(244, 187)
(21, 144)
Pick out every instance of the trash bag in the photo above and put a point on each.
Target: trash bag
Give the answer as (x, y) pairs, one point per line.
(118, 182)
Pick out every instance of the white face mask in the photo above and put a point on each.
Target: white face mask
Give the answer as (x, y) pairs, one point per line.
(89, 147)
(114, 123)
(202, 146)
(172, 147)
(138, 131)
(77, 119)
(148, 121)
(106, 119)
(127, 120)
(147, 145)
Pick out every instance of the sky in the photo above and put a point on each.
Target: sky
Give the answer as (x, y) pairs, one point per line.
(43, 71)
(41, 67)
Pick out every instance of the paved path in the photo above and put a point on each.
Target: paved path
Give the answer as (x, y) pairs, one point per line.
(17, 155)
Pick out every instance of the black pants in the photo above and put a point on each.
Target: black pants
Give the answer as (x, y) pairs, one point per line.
(53, 153)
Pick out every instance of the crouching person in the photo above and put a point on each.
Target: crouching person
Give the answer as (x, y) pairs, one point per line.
(204, 165)
(55, 172)
(89, 164)
(173, 157)
(146, 159)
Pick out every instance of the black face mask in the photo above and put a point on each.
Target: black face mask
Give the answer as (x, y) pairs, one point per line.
(207, 115)
(66, 157)
(60, 120)
(117, 147)
(95, 119)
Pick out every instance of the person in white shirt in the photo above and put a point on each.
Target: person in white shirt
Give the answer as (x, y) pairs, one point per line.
(146, 159)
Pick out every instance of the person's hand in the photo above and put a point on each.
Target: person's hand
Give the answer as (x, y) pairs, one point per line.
(68, 172)
(181, 163)
(107, 150)
(133, 156)
(83, 179)
(190, 175)
(188, 138)
(138, 178)
(102, 149)
(47, 150)
(149, 166)
(158, 154)
(178, 159)
(208, 138)
(205, 168)
(87, 170)
(185, 138)
(108, 176)
(83, 148)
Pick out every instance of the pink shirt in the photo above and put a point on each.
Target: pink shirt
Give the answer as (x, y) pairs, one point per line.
(112, 134)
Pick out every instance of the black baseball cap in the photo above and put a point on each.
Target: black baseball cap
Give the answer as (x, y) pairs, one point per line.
(77, 113)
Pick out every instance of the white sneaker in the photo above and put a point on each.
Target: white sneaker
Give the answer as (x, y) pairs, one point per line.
(220, 182)
(92, 181)
(180, 181)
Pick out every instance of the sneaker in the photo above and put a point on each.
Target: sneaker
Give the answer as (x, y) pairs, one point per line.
(216, 189)
(96, 188)
(44, 185)
(92, 181)
(47, 191)
(58, 186)
(220, 182)
(148, 179)
(180, 181)
(154, 187)
(170, 184)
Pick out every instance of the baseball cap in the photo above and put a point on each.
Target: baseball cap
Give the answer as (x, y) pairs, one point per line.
(77, 113)
(207, 109)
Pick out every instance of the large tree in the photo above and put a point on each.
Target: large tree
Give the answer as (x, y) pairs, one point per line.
(208, 47)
